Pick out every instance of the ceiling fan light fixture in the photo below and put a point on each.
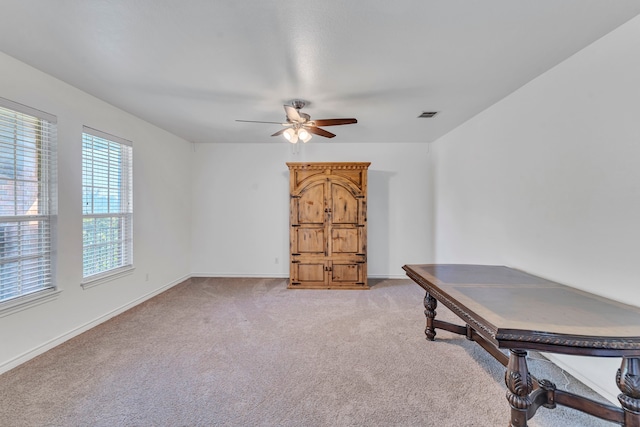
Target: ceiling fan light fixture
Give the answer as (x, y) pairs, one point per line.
(291, 135)
(304, 135)
(299, 126)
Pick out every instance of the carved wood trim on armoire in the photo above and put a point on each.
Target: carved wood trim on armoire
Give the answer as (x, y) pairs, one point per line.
(328, 225)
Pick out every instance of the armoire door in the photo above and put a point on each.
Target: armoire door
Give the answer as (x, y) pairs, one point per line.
(346, 221)
(309, 236)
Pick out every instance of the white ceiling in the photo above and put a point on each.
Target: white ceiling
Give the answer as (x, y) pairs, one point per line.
(194, 66)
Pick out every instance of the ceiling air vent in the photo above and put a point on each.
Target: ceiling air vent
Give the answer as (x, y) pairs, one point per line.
(427, 114)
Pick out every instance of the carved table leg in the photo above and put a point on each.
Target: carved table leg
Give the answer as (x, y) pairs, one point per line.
(519, 385)
(628, 380)
(430, 304)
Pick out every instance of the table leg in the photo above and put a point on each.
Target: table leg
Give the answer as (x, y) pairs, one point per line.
(628, 380)
(519, 385)
(430, 304)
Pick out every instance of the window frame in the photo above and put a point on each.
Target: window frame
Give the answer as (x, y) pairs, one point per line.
(123, 215)
(44, 153)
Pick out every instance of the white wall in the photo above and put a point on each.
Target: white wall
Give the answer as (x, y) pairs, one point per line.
(241, 205)
(162, 209)
(548, 181)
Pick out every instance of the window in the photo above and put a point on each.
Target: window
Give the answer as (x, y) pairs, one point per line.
(27, 201)
(107, 205)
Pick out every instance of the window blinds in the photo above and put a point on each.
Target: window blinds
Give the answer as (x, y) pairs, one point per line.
(27, 199)
(107, 203)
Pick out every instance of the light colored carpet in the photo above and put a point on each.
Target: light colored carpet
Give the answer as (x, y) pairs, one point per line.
(249, 352)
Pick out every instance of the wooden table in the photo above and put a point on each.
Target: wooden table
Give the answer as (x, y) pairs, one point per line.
(509, 309)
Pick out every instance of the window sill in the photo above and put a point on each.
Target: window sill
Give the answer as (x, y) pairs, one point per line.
(22, 303)
(97, 280)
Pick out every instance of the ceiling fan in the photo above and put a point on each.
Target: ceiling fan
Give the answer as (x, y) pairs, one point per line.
(299, 125)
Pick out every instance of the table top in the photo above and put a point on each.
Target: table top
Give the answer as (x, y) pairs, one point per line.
(514, 309)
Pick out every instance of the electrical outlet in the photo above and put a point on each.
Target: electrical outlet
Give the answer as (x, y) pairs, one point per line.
(277, 260)
(146, 277)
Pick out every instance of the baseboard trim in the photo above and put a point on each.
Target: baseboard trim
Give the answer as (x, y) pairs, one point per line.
(388, 276)
(24, 357)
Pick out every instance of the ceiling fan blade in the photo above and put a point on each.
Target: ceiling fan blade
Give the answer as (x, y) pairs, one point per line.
(280, 132)
(318, 131)
(257, 121)
(292, 114)
(334, 122)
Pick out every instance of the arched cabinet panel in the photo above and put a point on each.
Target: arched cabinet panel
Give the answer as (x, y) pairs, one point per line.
(344, 205)
(311, 204)
(328, 225)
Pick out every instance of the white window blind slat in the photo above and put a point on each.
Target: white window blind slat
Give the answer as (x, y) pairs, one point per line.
(27, 199)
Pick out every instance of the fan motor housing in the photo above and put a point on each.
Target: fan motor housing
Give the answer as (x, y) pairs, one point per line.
(298, 103)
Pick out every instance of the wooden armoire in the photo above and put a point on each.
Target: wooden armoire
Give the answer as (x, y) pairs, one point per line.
(328, 225)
